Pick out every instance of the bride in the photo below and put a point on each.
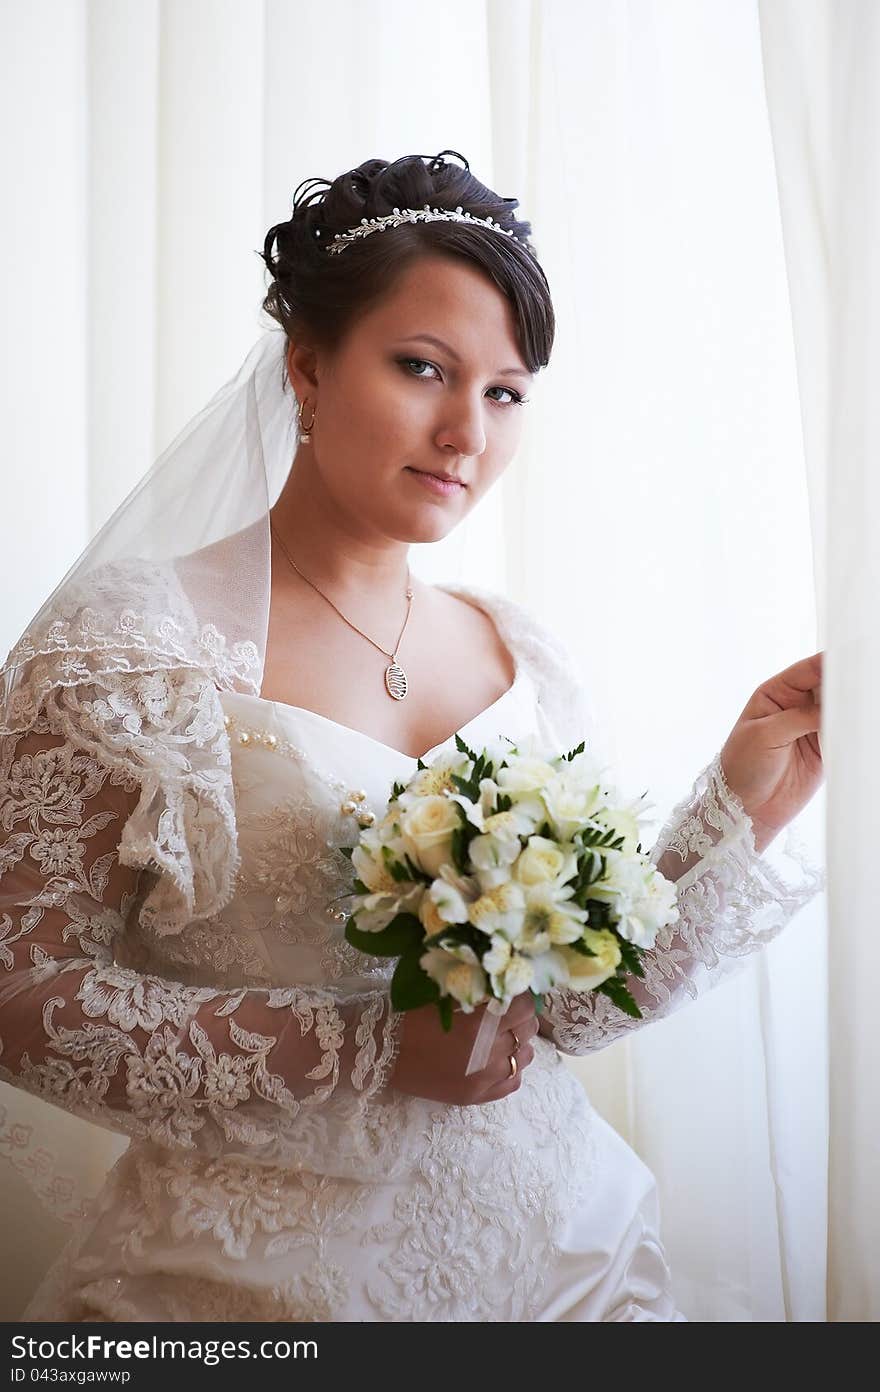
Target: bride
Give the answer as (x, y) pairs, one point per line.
(215, 700)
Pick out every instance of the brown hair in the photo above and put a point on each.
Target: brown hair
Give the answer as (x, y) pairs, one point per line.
(317, 297)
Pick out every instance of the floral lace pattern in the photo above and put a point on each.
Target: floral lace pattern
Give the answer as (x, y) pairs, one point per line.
(172, 965)
(730, 902)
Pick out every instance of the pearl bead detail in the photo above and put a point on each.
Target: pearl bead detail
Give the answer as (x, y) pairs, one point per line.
(249, 738)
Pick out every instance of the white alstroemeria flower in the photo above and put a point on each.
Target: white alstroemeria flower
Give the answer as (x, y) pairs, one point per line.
(375, 911)
(447, 901)
(472, 810)
(550, 919)
(436, 779)
(427, 828)
(495, 962)
(499, 910)
(369, 862)
(492, 853)
(624, 821)
(457, 972)
(517, 976)
(642, 901)
(543, 861)
(585, 973)
(570, 801)
(656, 908)
(550, 969)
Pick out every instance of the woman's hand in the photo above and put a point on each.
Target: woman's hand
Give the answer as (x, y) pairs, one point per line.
(772, 758)
(431, 1062)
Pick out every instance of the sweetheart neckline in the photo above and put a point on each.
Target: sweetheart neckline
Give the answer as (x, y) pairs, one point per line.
(389, 748)
(462, 591)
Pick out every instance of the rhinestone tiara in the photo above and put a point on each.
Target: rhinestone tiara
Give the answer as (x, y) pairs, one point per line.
(401, 215)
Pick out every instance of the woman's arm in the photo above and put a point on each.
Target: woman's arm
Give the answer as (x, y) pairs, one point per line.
(187, 1066)
(730, 903)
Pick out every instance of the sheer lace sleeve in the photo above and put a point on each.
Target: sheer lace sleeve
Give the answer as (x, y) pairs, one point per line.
(187, 1066)
(731, 901)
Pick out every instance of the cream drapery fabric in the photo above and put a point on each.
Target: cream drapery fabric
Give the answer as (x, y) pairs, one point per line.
(662, 468)
(822, 69)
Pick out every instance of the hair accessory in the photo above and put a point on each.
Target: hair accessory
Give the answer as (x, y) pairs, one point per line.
(399, 216)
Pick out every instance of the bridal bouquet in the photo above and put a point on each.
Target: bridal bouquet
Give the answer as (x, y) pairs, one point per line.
(505, 871)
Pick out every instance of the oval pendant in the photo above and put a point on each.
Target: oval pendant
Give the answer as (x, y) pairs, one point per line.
(395, 681)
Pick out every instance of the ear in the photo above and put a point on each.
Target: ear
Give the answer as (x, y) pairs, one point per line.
(302, 370)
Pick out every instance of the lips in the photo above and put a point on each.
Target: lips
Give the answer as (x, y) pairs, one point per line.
(438, 474)
(445, 484)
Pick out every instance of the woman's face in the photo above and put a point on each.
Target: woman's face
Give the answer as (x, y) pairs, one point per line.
(394, 411)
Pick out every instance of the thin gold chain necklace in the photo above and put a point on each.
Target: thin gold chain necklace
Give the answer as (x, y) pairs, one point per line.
(396, 680)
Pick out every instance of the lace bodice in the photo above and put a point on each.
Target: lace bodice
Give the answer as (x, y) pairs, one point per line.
(172, 907)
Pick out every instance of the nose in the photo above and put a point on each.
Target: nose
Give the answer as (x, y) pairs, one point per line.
(463, 430)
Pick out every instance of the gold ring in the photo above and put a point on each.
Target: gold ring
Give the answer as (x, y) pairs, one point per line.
(515, 1040)
(512, 1065)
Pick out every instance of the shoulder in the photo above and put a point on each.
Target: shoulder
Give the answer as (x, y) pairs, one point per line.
(530, 640)
(543, 654)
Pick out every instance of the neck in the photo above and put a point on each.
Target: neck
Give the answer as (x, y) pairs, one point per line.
(327, 544)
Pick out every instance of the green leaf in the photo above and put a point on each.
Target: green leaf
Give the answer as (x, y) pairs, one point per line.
(539, 1003)
(461, 933)
(398, 788)
(459, 849)
(397, 871)
(463, 749)
(574, 752)
(630, 956)
(580, 946)
(402, 933)
(410, 985)
(445, 1007)
(615, 990)
(361, 888)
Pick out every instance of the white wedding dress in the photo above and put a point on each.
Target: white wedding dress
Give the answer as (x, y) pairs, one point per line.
(273, 1173)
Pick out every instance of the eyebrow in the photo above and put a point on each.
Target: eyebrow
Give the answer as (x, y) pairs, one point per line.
(438, 343)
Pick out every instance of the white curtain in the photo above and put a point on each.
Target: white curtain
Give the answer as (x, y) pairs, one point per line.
(822, 63)
(659, 514)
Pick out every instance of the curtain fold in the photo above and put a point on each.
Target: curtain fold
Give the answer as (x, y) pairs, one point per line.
(822, 74)
(659, 515)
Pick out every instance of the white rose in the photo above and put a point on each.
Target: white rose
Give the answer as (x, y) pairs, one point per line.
(426, 829)
(543, 860)
(525, 774)
(584, 973)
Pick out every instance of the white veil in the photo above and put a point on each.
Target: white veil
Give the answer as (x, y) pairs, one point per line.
(152, 594)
